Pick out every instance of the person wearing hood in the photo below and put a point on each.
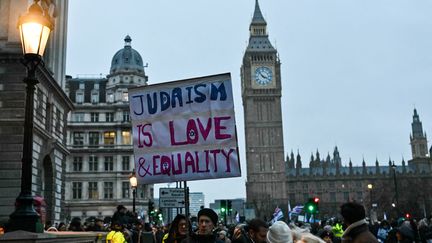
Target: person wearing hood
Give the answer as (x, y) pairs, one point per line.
(357, 230)
(207, 220)
(404, 233)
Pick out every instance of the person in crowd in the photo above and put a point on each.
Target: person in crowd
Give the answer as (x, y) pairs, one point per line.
(405, 234)
(326, 235)
(279, 232)
(52, 229)
(357, 230)
(207, 220)
(383, 230)
(116, 234)
(254, 232)
(75, 225)
(391, 235)
(48, 224)
(140, 234)
(307, 237)
(158, 233)
(425, 231)
(120, 215)
(223, 236)
(99, 225)
(180, 228)
(337, 231)
(61, 226)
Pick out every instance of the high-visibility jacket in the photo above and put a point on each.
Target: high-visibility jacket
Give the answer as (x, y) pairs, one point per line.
(115, 237)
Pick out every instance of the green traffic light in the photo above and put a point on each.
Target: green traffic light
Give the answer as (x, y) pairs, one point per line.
(311, 208)
(223, 210)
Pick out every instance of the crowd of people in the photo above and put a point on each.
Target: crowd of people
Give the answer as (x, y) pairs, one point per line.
(354, 227)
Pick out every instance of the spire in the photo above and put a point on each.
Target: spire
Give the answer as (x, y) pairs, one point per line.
(417, 127)
(128, 41)
(258, 36)
(298, 163)
(364, 167)
(258, 17)
(377, 168)
(336, 158)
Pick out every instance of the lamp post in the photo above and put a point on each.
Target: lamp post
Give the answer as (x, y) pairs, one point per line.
(370, 187)
(134, 183)
(395, 184)
(34, 28)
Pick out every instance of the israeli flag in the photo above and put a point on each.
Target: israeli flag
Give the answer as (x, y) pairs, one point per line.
(277, 215)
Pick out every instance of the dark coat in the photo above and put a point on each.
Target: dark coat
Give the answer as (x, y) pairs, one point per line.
(196, 238)
(359, 234)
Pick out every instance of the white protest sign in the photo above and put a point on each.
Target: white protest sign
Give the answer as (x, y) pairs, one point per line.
(184, 130)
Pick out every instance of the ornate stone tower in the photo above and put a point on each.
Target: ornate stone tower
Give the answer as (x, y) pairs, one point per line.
(261, 93)
(418, 139)
(419, 148)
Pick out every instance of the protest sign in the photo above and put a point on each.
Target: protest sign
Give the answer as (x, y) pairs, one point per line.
(184, 130)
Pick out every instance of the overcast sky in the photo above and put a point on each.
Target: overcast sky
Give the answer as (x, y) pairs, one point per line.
(352, 70)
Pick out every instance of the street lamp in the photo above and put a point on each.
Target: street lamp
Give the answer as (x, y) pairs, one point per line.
(34, 28)
(395, 184)
(133, 182)
(370, 187)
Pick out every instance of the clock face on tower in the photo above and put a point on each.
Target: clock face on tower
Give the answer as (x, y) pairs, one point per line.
(263, 76)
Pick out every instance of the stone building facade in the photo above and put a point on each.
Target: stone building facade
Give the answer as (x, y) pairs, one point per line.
(274, 181)
(100, 140)
(51, 107)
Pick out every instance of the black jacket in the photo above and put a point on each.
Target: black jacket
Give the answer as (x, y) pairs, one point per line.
(196, 238)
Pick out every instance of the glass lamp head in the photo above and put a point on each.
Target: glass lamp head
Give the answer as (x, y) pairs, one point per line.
(34, 28)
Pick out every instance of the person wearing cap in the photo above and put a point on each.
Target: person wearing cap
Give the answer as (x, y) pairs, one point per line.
(357, 230)
(207, 220)
(279, 232)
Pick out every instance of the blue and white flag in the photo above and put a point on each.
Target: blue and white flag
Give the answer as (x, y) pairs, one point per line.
(289, 210)
(277, 215)
(297, 209)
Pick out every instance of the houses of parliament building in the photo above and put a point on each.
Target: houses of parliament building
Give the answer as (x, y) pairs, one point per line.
(387, 188)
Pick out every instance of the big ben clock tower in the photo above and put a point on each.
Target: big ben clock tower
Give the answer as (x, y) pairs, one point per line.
(261, 93)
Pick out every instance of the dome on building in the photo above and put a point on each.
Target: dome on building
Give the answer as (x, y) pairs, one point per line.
(127, 60)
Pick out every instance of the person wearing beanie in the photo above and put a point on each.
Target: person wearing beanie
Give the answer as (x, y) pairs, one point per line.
(279, 232)
(207, 220)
